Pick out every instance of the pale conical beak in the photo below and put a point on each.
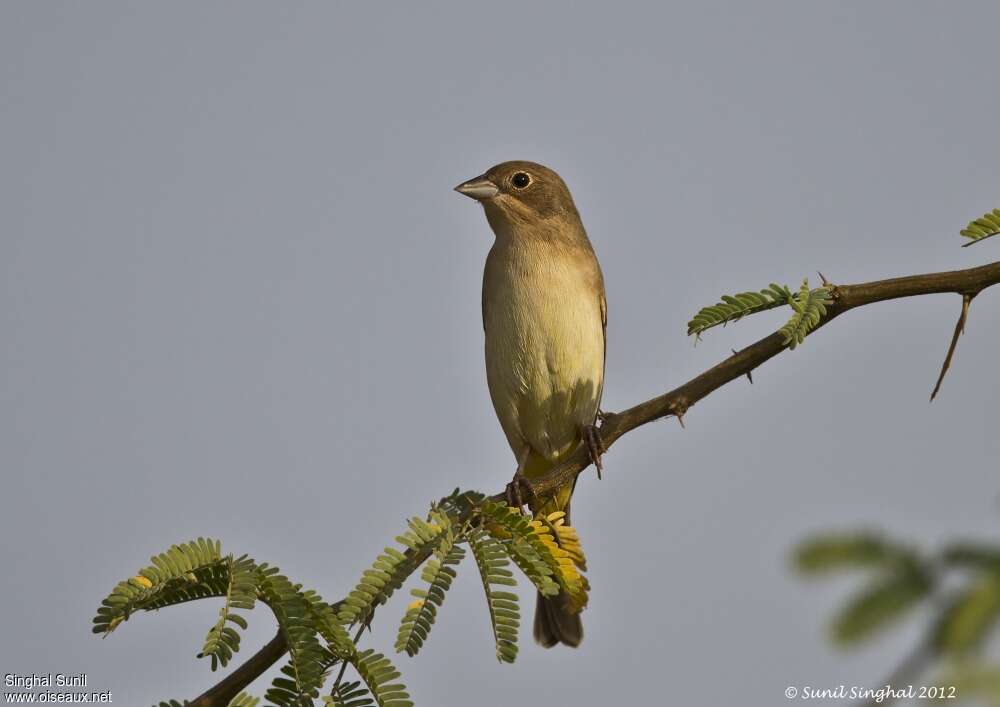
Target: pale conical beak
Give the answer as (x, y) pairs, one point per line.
(479, 188)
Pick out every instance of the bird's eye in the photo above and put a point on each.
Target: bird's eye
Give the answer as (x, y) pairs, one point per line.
(520, 180)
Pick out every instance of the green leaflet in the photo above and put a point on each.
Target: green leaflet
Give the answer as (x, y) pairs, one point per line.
(305, 671)
(884, 601)
(378, 673)
(899, 579)
(809, 306)
(732, 308)
(982, 228)
(548, 543)
(460, 504)
(205, 582)
(963, 626)
(389, 571)
(438, 573)
(973, 555)
(349, 694)
(197, 569)
(241, 593)
(190, 570)
(324, 617)
(515, 534)
(825, 553)
(241, 700)
(505, 617)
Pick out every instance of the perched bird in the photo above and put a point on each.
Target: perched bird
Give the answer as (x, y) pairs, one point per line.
(545, 318)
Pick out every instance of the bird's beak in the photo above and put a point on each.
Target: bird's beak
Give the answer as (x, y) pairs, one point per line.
(479, 188)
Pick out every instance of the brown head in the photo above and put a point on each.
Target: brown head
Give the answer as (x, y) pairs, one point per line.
(520, 194)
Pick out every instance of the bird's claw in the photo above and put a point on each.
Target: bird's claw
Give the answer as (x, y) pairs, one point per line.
(515, 497)
(595, 446)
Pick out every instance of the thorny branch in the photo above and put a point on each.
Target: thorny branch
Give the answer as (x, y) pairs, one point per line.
(967, 283)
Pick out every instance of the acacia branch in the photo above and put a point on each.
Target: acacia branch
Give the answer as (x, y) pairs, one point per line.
(233, 684)
(967, 283)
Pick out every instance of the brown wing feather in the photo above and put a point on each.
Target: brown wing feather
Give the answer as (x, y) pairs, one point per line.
(604, 333)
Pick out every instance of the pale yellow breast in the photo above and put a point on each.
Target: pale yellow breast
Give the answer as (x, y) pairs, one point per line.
(544, 346)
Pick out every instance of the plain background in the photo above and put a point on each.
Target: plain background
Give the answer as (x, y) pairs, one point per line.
(239, 299)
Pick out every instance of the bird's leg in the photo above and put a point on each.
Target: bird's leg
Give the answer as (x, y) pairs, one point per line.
(595, 445)
(519, 482)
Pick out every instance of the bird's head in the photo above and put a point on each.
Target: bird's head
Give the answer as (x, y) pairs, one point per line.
(520, 193)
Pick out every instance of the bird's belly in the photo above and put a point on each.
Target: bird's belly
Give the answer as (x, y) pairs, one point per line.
(544, 362)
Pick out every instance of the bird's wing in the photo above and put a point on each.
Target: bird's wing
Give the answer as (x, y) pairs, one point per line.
(604, 334)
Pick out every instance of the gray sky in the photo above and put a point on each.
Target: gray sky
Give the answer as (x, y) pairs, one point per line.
(238, 298)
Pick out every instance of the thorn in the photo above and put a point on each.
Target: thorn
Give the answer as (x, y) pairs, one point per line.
(678, 409)
(959, 329)
(749, 374)
(826, 283)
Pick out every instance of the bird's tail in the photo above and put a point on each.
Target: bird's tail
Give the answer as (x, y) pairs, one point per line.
(555, 621)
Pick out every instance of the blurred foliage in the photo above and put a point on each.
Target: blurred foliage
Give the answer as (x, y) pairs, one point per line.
(957, 588)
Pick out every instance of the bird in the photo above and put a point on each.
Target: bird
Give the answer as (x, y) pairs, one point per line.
(545, 321)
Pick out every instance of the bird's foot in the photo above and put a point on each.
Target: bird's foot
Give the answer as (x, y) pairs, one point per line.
(518, 489)
(595, 446)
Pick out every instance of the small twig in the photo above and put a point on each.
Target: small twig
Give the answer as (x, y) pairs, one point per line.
(959, 330)
(980, 240)
(343, 663)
